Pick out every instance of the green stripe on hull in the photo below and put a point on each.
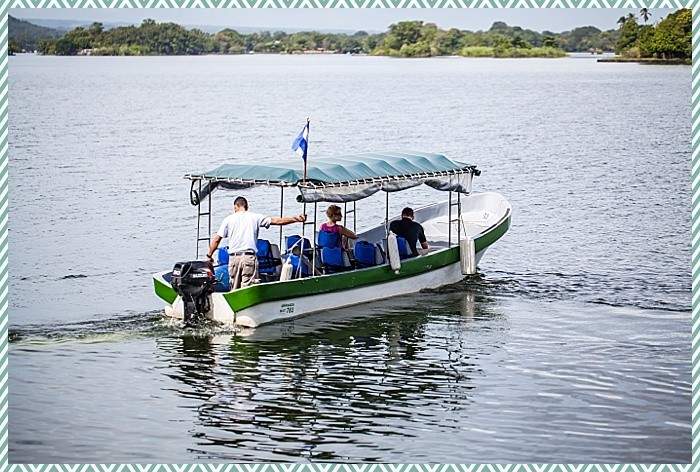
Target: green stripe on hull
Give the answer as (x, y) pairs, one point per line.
(164, 291)
(256, 294)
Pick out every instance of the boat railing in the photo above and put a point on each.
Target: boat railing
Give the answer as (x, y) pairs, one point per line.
(451, 220)
(200, 214)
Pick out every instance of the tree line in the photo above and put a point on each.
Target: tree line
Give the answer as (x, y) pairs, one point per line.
(403, 39)
(669, 38)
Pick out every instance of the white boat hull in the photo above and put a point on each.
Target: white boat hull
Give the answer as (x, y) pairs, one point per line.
(287, 309)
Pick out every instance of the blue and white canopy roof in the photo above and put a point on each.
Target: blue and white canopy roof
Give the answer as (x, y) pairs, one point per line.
(345, 178)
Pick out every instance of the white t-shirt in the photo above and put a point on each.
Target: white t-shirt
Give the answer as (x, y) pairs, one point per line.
(241, 229)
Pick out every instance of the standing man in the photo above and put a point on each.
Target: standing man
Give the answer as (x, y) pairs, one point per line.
(411, 231)
(241, 228)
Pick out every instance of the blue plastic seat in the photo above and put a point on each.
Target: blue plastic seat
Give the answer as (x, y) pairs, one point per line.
(365, 254)
(267, 263)
(332, 260)
(222, 255)
(294, 260)
(404, 251)
(223, 281)
(328, 239)
(293, 239)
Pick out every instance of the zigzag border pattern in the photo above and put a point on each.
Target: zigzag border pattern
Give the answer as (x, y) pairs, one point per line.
(349, 3)
(3, 236)
(351, 468)
(5, 5)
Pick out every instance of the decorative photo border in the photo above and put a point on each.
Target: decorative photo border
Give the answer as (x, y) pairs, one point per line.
(6, 5)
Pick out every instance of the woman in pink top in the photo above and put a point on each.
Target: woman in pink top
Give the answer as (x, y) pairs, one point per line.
(335, 215)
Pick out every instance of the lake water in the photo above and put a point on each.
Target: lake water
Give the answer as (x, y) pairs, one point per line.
(572, 345)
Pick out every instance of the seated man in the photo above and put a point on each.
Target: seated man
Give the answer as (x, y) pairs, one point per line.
(411, 231)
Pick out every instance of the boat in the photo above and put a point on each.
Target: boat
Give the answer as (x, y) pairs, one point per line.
(459, 231)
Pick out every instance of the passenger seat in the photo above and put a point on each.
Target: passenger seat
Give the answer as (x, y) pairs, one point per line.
(368, 254)
(334, 259)
(290, 242)
(269, 262)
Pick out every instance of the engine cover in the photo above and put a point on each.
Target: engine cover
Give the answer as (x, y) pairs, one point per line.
(194, 282)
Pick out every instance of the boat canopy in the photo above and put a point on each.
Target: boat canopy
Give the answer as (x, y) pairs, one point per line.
(343, 178)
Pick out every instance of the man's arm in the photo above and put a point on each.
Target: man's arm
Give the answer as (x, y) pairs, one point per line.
(217, 237)
(215, 240)
(423, 240)
(286, 220)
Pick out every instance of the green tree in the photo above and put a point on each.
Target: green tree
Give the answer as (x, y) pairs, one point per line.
(519, 43)
(96, 29)
(13, 47)
(645, 14)
(403, 33)
(672, 36)
(645, 41)
(628, 35)
(65, 47)
(47, 47)
(549, 42)
(228, 41)
(581, 39)
(448, 42)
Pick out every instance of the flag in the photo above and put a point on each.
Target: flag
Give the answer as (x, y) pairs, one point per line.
(301, 143)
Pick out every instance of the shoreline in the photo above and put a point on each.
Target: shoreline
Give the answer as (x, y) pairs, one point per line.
(447, 56)
(647, 60)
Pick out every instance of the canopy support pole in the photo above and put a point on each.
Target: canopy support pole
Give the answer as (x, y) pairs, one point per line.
(313, 243)
(281, 213)
(386, 219)
(459, 218)
(354, 216)
(449, 219)
(301, 248)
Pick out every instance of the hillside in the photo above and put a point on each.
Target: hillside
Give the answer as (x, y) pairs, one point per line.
(26, 36)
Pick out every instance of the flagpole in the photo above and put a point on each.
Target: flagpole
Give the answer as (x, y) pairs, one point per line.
(307, 146)
(303, 223)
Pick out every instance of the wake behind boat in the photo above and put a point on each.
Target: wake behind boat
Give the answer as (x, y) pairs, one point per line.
(307, 277)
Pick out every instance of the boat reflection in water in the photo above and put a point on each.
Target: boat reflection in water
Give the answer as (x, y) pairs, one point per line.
(351, 384)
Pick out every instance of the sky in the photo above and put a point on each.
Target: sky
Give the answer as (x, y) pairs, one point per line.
(372, 20)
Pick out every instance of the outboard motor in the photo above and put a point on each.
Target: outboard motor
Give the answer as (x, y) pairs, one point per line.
(194, 281)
